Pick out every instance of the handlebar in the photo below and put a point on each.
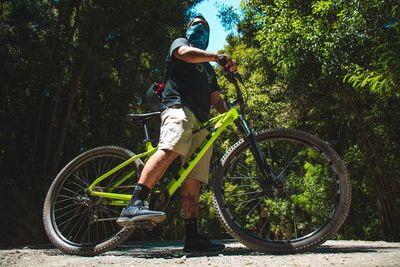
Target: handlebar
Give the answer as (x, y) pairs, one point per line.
(234, 78)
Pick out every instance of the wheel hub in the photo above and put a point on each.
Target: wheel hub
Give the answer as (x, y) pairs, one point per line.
(83, 200)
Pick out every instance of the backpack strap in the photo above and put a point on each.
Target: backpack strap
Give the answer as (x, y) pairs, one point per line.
(169, 66)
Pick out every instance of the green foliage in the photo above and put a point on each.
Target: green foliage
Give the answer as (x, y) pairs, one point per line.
(69, 72)
(228, 16)
(331, 67)
(359, 78)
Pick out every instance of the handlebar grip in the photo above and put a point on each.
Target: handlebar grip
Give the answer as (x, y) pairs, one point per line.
(231, 76)
(222, 60)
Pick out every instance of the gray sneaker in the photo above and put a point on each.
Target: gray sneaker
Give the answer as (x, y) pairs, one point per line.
(137, 212)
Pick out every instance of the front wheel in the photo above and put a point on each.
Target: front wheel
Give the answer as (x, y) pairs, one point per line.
(303, 205)
(79, 223)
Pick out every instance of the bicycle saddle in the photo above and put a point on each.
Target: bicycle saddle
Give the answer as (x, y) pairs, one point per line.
(142, 117)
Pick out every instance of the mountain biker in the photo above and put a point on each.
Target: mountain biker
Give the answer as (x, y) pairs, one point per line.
(191, 88)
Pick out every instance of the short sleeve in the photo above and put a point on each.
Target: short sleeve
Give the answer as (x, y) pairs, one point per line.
(214, 84)
(176, 44)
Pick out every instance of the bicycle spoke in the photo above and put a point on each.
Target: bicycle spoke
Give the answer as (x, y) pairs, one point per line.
(242, 177)
(78, 185)
(86, 180)
(253, 208)
(95, 173)
(109, 216)
(64, 196)
(270, 154)
(97, 231)
(103, 220)
(89, 233)
(295, 227)
(68, 223)
(80, 218)
(77, 208)
(304, 173)
(73, 192)
(103, 223)
(291, 153)
(111, 179)
(80, 227)
(103, 166)
(262, 228)
(243, 185)
(70, 219)
(249, 201)
(108, 162)
(244, 167)
(243, 194)
(66, 207)
(107, 208)
(77, 176)
(64, 200)
(286, 167)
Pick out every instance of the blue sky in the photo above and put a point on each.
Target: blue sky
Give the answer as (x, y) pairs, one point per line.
(209, 9)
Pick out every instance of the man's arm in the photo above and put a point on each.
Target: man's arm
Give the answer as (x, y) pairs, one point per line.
(194, 55)
(218, 102)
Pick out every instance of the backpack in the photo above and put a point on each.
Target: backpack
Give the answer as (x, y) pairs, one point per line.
(153, 96)
(154, 93)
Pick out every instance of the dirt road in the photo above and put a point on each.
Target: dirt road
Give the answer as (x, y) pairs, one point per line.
(332, 253)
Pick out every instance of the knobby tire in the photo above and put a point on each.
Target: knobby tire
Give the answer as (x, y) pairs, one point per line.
(307, 205)
(70, 214)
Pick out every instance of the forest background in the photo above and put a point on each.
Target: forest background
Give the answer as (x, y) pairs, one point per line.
(71, 69)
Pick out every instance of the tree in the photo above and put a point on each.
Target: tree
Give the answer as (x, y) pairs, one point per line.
(329, 67)
(70, 69)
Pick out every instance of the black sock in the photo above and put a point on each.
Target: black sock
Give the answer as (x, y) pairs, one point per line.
(191, 228)
(141, 192)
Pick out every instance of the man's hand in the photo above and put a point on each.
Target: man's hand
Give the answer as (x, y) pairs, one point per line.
(227, 63)
(218, 102)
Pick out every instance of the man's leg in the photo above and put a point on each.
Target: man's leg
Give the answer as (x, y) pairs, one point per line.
(194, 241)
(156, 166)
(152, 172)
(190, 198)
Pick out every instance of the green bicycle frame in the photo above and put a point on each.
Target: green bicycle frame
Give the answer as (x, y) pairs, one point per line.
(218, 123)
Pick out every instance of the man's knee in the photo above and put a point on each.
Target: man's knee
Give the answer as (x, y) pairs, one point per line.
(168, 155)
(165, 157)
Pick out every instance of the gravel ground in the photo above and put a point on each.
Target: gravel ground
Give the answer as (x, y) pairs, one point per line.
(332, 253)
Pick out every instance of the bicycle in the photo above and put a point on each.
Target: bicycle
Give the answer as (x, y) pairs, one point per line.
(277, 190)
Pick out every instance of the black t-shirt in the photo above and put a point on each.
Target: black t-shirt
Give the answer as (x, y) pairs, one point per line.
(189, 84)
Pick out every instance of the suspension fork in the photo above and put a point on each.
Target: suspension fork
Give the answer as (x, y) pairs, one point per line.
(250, 135)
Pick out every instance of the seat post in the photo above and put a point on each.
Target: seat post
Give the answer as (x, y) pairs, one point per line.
(146, 132)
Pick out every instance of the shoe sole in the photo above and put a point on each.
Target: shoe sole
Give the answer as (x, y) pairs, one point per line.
(130, 222)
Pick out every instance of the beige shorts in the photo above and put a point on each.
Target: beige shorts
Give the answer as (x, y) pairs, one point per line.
(176, 134)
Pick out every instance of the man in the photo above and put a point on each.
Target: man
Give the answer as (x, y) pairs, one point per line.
(190, 90)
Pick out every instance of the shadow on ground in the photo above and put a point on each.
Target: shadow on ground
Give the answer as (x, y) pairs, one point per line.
(173, 249)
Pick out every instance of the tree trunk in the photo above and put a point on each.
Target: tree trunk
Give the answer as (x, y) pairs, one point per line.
(67, 116)
(47, 122)
(80, 68)
(386, 198)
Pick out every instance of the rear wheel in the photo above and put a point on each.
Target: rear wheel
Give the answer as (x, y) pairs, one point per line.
(306, 203)
(81, 224)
